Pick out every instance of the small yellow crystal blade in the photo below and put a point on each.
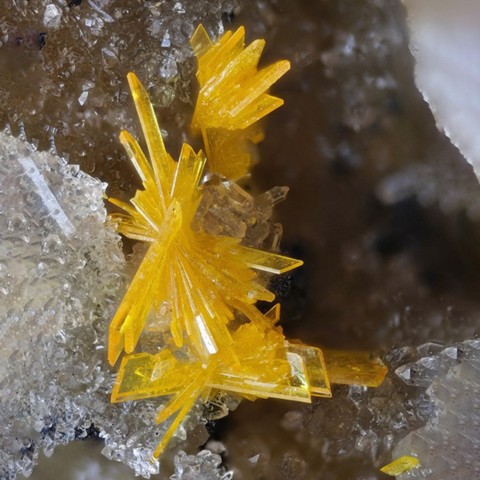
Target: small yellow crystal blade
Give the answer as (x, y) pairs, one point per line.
(267, 384)
(216, 60)
(354, 368)
(191, 396)
(186, 179)
(266, 261)
(200, 41)
(239, 67)
(257, 85)
(201, 309)
(144, 208)
(232, 98)
(130, 228)
(265, 368)
(132, 225)
(400, 465)
(161, 161)
(256, 111)
(196, 384)
(136, 156)
(127, 208)
(146, 204)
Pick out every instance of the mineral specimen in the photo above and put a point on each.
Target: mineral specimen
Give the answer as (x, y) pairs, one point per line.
(60, 272)
(204, 281)
(200, 279)
(402, 271)
(180, 260)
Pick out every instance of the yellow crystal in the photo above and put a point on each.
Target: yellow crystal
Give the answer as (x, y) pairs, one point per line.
(202, 277)
(232, 98)
(400, 465)
(352, 367)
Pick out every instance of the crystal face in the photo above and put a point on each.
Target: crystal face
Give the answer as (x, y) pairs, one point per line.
(45, 263)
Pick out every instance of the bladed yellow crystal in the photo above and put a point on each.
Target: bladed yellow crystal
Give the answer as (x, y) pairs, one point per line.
(232, 99)
(351, 367)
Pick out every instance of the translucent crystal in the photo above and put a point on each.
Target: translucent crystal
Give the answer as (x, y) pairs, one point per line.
(205, 465)
(52, 16)
(354, 368)
(227, 209)
(425, 369)
(447, 446)
(43, 256)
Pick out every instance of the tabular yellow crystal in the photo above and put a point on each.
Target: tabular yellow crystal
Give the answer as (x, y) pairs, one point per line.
(232, 98)
(400, 465)
(352, 367)
(202, 277)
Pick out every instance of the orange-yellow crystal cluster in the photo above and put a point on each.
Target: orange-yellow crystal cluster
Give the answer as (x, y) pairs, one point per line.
(202, 277)
(206, 282)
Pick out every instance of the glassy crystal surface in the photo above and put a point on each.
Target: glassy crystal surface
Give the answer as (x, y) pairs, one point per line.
(205, 465)
(448, 445)
(400, 465)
